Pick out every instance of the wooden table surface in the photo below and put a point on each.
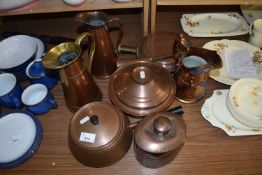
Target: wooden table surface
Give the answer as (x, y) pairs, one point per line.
(207, 150)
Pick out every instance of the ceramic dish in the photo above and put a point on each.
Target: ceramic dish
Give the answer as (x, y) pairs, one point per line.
(14, 5)
(244, 101)
(216, 112)
(218, 45)
(251, 12)
(122, 0)
(20, 135)
(214, 24)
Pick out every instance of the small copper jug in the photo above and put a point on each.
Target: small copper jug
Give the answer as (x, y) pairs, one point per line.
(100, 25)
(192, 70)
(78, 85)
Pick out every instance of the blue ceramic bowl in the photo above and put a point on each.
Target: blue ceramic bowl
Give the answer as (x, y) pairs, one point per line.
(18, 145)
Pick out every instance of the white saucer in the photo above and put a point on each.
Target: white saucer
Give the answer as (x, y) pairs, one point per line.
(40, 48)
(216, 112)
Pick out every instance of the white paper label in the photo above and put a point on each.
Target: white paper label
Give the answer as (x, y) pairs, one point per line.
(84, 120)
(87, 137)
(239, 63)
(142, 74)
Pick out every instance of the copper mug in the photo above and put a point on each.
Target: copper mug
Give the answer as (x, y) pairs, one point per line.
(78, 85)
(100, 25)
(192, 70)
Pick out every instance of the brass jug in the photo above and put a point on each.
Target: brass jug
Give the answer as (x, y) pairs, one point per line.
(192, 69)
(99, 24)
(78, 85)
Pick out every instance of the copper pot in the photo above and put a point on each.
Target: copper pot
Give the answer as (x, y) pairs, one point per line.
(99, 134)
(100, 25)
(142, 88)
(155, 47)
(158, 138)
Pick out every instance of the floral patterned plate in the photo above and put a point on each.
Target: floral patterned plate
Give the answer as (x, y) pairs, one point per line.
(220, 75)
(216, 112)
(214, 24)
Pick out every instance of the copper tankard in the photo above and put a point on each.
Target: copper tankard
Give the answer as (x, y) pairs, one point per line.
(100, 25)
(78, 85)
(192, 70)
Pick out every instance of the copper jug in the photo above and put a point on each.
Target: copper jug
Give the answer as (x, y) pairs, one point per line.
(100, 25)
(78, 85)
(192, 70)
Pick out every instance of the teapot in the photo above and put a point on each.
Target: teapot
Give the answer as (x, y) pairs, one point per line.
(78, 85)
(99, 24)
(192, 69)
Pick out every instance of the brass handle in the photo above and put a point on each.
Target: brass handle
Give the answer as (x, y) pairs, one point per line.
(111, 20)
(91, 50)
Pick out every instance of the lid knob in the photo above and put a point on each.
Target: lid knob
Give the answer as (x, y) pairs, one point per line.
(162, 126)
(94, 120)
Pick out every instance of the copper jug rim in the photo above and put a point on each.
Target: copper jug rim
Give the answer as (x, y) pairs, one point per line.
(50, 59)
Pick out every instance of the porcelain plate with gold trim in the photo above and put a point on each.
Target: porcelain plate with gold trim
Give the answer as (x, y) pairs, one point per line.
(214, 24)
(216, 112)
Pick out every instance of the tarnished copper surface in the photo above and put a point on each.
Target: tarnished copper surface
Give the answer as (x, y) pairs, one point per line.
(113, 134)
(99, 23)
(78, 85)
(158, 138)
(191, 81)
(157, 47)
(142, 88)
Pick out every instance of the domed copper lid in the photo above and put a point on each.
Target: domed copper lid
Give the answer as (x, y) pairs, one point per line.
(142, 88)
(96, 125)
(160, 133)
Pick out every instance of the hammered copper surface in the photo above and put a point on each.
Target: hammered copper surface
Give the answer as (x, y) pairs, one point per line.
(158, 138)
(98, 23)
(142, 88)
(192, 81)
(113, 134)
(79, 86)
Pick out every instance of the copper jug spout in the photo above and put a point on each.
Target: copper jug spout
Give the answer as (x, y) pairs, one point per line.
(78, 85)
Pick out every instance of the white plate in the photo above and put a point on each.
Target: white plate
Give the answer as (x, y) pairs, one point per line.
(218, 45)
(252, 12)
(214, 24)
(216, 112)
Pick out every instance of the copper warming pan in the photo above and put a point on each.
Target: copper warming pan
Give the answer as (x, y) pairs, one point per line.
(142, 88)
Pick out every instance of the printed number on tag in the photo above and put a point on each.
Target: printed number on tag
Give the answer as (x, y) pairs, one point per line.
(87, 137)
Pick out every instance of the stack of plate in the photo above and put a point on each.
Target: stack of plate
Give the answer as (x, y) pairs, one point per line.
(238, 110)
(244, 101)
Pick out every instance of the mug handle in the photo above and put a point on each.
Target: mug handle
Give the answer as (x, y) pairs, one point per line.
(52, 103)
(91, 50)
(16, 101)
(116, 20)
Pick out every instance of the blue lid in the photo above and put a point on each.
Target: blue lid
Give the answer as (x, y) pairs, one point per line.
(20, 135)
(35, 69)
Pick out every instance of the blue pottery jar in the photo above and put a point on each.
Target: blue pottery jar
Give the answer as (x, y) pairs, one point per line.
(38, 74)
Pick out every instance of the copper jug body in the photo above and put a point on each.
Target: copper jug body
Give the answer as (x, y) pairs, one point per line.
(78, 85)
(99, 24)
(193, 67)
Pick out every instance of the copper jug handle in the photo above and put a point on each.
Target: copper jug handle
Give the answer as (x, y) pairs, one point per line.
(111, 20)
(91, 50)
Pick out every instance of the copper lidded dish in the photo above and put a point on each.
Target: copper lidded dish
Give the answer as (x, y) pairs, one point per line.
(99, 134)
(142, 88)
